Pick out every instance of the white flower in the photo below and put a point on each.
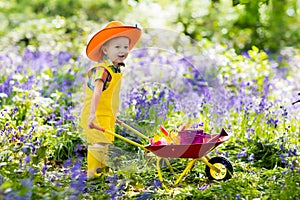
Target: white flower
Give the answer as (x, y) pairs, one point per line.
(3, 95)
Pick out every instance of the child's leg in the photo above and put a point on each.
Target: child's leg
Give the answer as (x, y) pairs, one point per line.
(96, 158)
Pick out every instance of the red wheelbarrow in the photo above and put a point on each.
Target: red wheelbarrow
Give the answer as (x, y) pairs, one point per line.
(217, 168)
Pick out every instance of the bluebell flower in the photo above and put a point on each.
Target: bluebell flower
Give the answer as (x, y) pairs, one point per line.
(251, 158)
(27, 159)
(282, 157)
(25, 149)
(67, 163)
(245, 54)
(59, 131)
(27, 183)
(293, 165)
(112, 179)
(31, 171)
(157, 183)
(43, 170)
(144, 196)
(14, 110)
(251, 130)
(242, 153)
(272, 121)
(140, 53)
(7, 85)
(79, 147)
(203, 187)
(19, 128)
(111, 190)
(63, 57)
(292, 152)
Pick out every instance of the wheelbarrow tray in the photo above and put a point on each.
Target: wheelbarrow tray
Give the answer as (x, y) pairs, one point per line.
(189, 150)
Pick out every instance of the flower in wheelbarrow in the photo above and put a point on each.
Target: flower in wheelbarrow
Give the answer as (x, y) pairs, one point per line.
(156, 141)
(175, 137)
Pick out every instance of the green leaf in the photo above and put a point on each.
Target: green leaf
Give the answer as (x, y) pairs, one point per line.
(6, 185)
(235, 2)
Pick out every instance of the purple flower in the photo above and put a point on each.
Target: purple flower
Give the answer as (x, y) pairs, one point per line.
(251, 130)
(27, 183)
(67, 163)
(157, 184)
(63, 57)
(282, 157)
(203, 187)
(292, 152)
(272, 121)
(26, 149)
(242, 153)
(59, 131)
(144, 196)
(293, 165)
(31, 171)
(20, 128)
(7, 85)
(15, 110)
(245, 54)
(79, 147)
(112, 179)
(43, 170)
(27, 159)
(251, 158)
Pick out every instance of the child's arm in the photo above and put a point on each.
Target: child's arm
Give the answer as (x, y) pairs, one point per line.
(95, 100)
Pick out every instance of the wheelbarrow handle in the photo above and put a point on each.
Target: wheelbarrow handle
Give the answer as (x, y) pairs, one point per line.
(132, 129)
(119, 136)
(98, 128)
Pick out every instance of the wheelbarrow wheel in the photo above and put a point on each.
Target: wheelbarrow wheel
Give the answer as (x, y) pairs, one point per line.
(223, 165)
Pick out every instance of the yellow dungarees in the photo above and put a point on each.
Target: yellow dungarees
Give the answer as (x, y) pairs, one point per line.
(105, 117)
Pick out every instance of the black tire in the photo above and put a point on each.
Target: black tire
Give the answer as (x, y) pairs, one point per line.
(224, 165)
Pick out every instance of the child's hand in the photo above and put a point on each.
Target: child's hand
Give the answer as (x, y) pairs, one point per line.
(91, 120)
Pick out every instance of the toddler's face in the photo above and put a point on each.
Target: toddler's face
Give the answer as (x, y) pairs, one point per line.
(117, 49)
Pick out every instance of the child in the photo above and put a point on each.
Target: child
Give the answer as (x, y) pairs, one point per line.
(109, 47)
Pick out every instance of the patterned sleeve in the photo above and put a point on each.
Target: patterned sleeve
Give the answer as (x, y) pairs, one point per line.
(98, 73)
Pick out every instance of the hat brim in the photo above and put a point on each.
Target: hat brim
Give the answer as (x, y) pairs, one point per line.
(93, 49)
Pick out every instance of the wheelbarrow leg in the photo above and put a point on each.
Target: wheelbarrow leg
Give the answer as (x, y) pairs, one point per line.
(158, 167)
(169, 165)
(186, 170)
(159, 171)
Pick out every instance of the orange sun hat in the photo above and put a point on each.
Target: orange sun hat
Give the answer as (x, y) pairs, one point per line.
(112, 30)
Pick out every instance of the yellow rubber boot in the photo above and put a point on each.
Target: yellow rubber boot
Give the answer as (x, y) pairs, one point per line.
(96, 159)
(93, 165)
